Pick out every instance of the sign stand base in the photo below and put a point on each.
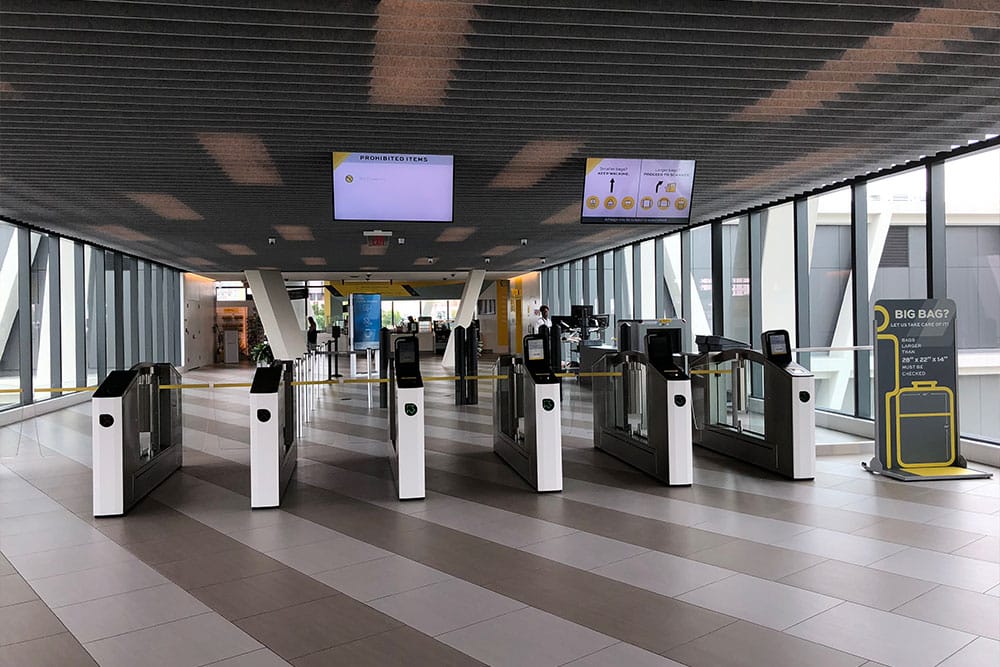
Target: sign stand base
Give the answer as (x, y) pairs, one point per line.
(928, 474)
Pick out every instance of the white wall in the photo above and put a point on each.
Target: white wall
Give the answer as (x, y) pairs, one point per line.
(199, 321)
(488, 321)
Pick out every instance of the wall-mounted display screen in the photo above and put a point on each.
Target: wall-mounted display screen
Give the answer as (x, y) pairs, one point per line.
(779, 344)
(393, 187)
(536, 349)
(637, 191)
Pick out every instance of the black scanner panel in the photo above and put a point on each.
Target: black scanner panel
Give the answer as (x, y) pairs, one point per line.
(777, 346)
(537, 360)
(661, 346)
(407, 363)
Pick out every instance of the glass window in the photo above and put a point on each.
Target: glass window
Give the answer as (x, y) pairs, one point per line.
(777, 275)
(700, 317)
(591, 282)
(10, 362)
(576, 282)
(68, 281)
(831, 319)
(41, 315)
(94, 278)
(897, 237)
(972, 239)
(647, 285)
(623, 282)
(672, 275)
(112, 289)
(736, 279)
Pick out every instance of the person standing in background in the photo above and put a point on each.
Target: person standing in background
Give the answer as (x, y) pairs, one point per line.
(543, 318)
(311, 333)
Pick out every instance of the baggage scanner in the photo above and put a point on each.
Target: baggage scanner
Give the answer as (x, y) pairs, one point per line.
(273, 450)
(529, 391)
(642, 408)
(406, 419)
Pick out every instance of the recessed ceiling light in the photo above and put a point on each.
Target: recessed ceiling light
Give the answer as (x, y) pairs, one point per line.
(121, 232)
(533, 162)
(164, 205)
(236, 249)
(314, 261)
(455, 234)
(417, 47)
(295, 232)
(500, 250)
(243, 157)
(566, 216)
(373, 249)
(195, 261)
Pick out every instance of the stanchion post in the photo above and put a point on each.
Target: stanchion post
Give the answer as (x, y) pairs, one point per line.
(460, 365)
(385, 347)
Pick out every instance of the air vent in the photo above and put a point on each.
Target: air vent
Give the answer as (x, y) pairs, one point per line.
(896, 253)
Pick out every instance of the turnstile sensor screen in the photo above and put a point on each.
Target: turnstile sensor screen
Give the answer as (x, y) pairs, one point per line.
(536, 349)
(778, 344)
(407, 354)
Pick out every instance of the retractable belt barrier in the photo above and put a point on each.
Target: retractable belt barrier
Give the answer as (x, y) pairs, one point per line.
(302, 383)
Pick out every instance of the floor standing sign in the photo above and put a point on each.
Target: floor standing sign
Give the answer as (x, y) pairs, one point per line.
(916, 385)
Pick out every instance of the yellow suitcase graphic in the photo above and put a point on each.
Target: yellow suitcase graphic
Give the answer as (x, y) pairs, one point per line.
(925, 421)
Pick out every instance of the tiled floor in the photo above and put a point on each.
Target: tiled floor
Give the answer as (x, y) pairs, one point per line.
(742, 568)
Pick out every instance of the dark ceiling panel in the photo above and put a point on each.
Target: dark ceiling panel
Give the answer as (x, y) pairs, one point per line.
(103, 104)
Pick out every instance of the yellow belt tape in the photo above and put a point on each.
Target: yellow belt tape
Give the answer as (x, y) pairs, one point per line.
(700, 372)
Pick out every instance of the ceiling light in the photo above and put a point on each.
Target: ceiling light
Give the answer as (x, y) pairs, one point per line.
(195, 261)
(417, 47)
(166, 206)
(455, 234)
(373, 249)
(121, 232)
(243, 157)
(500, 250)
(566, 216)
(295, 232)
(236, 249)
(533, 162)
(314, 261)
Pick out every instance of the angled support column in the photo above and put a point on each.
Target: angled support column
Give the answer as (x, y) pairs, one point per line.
(466, 311)
(283, 330)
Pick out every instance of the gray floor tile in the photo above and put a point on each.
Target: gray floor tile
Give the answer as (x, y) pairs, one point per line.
(760, 601)
(98, 582)
(5, 566)
(584, 550)
(755, 528)
(183, 547)
(526, 637)
(980, 653)
(985, 548)
(327, 555)
(663, 573)
(380, 577)
(620, 654)
(61, 650)
(956, 608)
(259, 658)
(218, 567)
(848, 548)
(881, 636)
(69, 559)
(968, 573)
(874, 588)
(921, 535)
(261, 593)
(445, 606)
(758, 560)
(398, 647)
(188, 642)
(66, 536)
(127, 612)
(283, 535)
(306, 628)
(15, 590)
(29, 506)
(743, 644)
(27, 620)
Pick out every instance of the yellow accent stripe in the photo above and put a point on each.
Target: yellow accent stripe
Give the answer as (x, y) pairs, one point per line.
(707, 372)
(939, 472)
(54, 390)
(925, 414)
(10, 391)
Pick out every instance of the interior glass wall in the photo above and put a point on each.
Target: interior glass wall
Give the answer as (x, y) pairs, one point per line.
(672, 276)
(646, 299)
(972, 241)
(700, 281)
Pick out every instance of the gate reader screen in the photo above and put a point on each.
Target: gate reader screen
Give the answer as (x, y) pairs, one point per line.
(536, 349)
(393, 187)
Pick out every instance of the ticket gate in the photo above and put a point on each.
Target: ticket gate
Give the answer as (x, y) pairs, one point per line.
(273, 448)
(776, 429)
(406, 419)
(642, 408)
(137, 435)
(527, 415)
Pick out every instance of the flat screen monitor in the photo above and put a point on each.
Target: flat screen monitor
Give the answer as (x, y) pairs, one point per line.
(536, 349)
(626, 190)
(393, 187)
(406, 352)
(581, 312)
(777, 346)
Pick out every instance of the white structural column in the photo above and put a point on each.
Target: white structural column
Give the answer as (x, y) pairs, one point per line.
(466, 311)
(283, 330)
